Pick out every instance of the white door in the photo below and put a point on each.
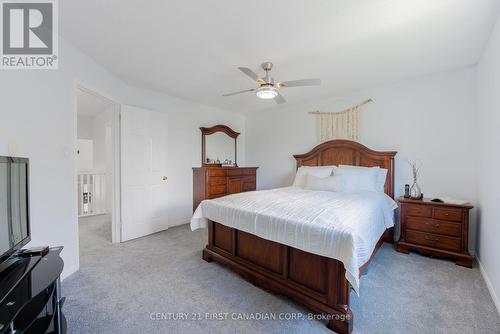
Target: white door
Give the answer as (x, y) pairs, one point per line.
(144, 172)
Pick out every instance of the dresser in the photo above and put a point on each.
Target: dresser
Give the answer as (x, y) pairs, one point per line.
(435, 229)
(214, 182)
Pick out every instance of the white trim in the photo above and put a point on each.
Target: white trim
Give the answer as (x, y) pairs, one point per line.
(75, 181)
(116, 202)
(486, 278)
(116, 198)
(86, 87)
(180, 222)
(67, 272)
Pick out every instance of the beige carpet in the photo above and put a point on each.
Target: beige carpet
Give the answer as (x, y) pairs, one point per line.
(120, 288)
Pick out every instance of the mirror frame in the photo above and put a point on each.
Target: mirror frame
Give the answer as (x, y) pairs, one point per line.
(217, 128)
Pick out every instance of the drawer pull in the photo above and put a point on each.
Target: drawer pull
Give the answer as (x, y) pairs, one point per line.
(10, 303)
(435, 225)
(431, 239)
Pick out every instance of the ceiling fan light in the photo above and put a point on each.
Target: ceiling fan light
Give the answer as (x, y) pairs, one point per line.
(266, 92)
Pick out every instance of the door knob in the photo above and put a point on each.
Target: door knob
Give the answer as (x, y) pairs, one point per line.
(164, 178)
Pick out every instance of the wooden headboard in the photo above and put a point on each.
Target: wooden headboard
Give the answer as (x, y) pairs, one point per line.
(346, 152)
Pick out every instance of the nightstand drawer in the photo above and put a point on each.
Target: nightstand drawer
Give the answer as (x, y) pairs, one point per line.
(448, 214)
(434, 226)
(419, 211)
(433, 240)
(435, 229)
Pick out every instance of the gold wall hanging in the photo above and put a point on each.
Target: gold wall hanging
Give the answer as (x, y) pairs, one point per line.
(340, 125)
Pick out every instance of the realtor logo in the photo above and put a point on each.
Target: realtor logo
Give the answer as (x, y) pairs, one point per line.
(29, 34)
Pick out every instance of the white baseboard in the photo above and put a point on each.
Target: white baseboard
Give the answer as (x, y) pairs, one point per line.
(489, 285)
(180, 222)
(68, 271)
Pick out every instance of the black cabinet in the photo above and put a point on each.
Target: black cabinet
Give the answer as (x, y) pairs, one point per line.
(30, 296)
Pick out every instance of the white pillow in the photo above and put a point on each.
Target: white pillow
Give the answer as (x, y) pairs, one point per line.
(381, 175)
(319, 171)
(329, 183)
(359, 179)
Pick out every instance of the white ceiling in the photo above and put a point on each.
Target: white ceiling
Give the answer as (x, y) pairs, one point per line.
(90, 105)
(191, 48)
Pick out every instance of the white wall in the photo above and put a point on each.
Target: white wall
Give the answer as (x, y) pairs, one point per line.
(37, 118)
(488, 77)
(84, 126)
(184, 143)
(95, 128)
(430, 118)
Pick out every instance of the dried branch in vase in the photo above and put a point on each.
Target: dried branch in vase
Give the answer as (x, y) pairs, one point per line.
(415, 191)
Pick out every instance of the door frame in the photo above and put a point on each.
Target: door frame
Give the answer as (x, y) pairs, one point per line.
(115, 148)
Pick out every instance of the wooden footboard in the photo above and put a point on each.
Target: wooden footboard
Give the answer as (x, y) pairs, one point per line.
(315, 281)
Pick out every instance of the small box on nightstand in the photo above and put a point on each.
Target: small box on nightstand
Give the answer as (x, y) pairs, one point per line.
(435, 229)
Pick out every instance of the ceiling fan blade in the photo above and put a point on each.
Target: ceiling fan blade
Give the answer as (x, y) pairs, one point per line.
(239, 92)
(251, 74)
(279, 99)
(298, 83)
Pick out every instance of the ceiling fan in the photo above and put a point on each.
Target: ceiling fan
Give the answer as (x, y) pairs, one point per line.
(268, 88)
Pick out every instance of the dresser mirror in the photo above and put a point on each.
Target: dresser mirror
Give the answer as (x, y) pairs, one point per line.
(219, 147)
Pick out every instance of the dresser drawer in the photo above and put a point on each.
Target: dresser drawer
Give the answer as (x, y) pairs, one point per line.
(217, 172)
(249, 186)
(210, 182)
(217, 180)
(434, 226)
(218, 189)
(241, 172)
(448, 214)
(433, 240)
(250, 179)
(216, 196)
(419, 211)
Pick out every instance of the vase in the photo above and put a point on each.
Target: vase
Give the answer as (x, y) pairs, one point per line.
(415, 191)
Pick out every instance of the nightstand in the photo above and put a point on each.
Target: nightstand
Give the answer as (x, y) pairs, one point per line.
(435, 229)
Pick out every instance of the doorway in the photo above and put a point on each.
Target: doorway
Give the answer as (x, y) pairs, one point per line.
(97, 157)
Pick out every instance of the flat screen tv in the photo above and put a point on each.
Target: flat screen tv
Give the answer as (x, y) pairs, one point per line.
(14, 205)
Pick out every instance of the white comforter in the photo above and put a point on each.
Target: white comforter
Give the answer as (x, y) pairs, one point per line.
(342, 226)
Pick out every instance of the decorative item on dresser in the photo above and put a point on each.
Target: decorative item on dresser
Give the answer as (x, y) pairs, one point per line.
(435, 229)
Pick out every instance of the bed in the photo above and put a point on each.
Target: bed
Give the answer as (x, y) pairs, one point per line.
(302, 243)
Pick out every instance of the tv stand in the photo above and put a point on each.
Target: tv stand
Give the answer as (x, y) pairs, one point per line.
(30, 295)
